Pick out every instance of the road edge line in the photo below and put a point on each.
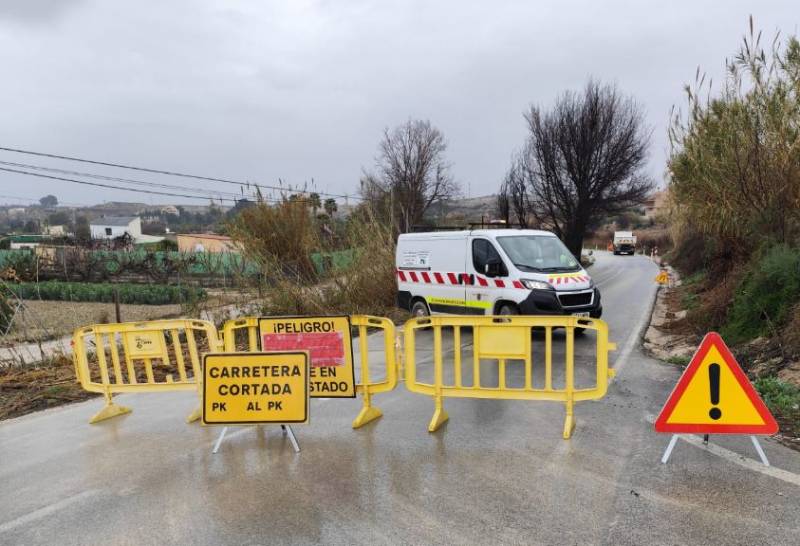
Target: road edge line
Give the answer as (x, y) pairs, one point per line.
(638, 336)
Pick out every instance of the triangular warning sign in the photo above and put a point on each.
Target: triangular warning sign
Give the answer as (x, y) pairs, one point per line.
(714, 396)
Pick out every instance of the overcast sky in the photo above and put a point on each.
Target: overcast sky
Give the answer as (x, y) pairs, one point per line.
(258, 90)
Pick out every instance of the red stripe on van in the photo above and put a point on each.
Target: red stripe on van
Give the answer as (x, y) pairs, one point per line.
(401, 275)
(413, 276)
(499, 283)
(453, 278)
(439, 278)
(518, 284)
(426, 277)
(482, 281)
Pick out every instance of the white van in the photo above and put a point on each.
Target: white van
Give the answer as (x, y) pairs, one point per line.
(492, 272)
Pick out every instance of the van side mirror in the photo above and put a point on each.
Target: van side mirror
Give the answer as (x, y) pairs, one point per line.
(493, 269)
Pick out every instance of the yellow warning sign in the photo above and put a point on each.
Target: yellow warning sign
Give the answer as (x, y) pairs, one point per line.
(662, 277)
(328, 343)
(714, 396)
(252, 388)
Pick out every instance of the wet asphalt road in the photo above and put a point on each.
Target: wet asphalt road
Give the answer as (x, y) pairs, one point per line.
(498, 472)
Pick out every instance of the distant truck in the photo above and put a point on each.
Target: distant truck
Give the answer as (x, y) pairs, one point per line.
(624, 242)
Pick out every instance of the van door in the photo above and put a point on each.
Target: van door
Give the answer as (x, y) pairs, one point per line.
(442, 280)
(480, 289)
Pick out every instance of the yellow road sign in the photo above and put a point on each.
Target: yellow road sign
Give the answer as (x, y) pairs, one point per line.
(329, 345)
(714, 396)
(254, 388)
(662, 277)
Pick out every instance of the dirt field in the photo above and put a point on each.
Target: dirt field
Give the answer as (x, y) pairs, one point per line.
(24, 390)
(41, 320)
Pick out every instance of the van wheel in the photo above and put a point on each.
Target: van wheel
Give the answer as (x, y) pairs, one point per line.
(508, 309)
(420, 309)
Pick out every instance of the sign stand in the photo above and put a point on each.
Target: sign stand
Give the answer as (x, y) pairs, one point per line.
(664, 458)
(760, 451)
(287, 431)
(674, 439)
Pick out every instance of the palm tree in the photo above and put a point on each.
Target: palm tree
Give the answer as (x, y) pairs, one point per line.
(330, 206)
(314, 202)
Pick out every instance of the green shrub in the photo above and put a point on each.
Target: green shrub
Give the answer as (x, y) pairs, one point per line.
(778, 395)
(147, 294)
(765, 297)
(677, 360)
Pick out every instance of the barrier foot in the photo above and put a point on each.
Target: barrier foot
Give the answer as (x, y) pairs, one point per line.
(110, 410)
(366, 415)
(194, 416)
(569, 426)
(439, 418)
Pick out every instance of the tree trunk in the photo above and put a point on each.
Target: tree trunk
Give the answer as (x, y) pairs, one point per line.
(573, 239)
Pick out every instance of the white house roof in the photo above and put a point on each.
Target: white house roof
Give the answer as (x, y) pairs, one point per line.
(113, 221)
(143, 239)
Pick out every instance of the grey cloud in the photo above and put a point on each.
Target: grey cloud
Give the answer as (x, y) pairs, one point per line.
(36, 11)
(257, 90)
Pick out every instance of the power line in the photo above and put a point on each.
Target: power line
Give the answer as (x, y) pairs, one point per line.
(168, 173)
(208, 193)
(137, 190)
(107, 185)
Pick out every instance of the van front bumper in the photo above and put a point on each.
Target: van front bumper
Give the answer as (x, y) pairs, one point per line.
(546, 302)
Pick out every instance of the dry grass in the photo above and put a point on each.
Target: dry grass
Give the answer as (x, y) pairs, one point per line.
(282, 237)
(368, 286)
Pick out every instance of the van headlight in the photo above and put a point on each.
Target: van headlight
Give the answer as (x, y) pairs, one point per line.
(530, 284)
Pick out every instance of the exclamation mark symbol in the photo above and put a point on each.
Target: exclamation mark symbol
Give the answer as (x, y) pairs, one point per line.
(713, 381)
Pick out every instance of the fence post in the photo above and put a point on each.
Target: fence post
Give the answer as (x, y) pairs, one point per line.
(117, 313)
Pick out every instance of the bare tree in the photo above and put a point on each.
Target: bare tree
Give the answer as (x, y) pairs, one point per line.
(503, 204)
(585, 158)
(412, 172)
(518, 196)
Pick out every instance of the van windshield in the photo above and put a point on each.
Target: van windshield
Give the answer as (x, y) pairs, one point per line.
(538, 253)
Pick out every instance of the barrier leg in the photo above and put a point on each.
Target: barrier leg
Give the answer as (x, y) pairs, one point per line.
(198, 411)
(440, 416)
(195, 415)
(367, 414)
(569, 420)
(109, 410)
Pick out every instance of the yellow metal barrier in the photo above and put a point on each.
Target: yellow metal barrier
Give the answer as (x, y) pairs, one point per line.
(367, 387)
(144, 357)
(233, 326)
(503, 339)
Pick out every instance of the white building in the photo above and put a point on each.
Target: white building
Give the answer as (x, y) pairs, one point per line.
(111, 227)
(55, 231)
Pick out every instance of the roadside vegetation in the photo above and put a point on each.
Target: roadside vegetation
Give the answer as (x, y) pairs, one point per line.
(145, 294)
(735, 211)
(284, 238)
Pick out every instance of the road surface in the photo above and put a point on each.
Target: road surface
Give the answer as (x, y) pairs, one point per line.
(498, 472)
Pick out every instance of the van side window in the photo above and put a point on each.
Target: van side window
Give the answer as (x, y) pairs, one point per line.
(482, 252)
